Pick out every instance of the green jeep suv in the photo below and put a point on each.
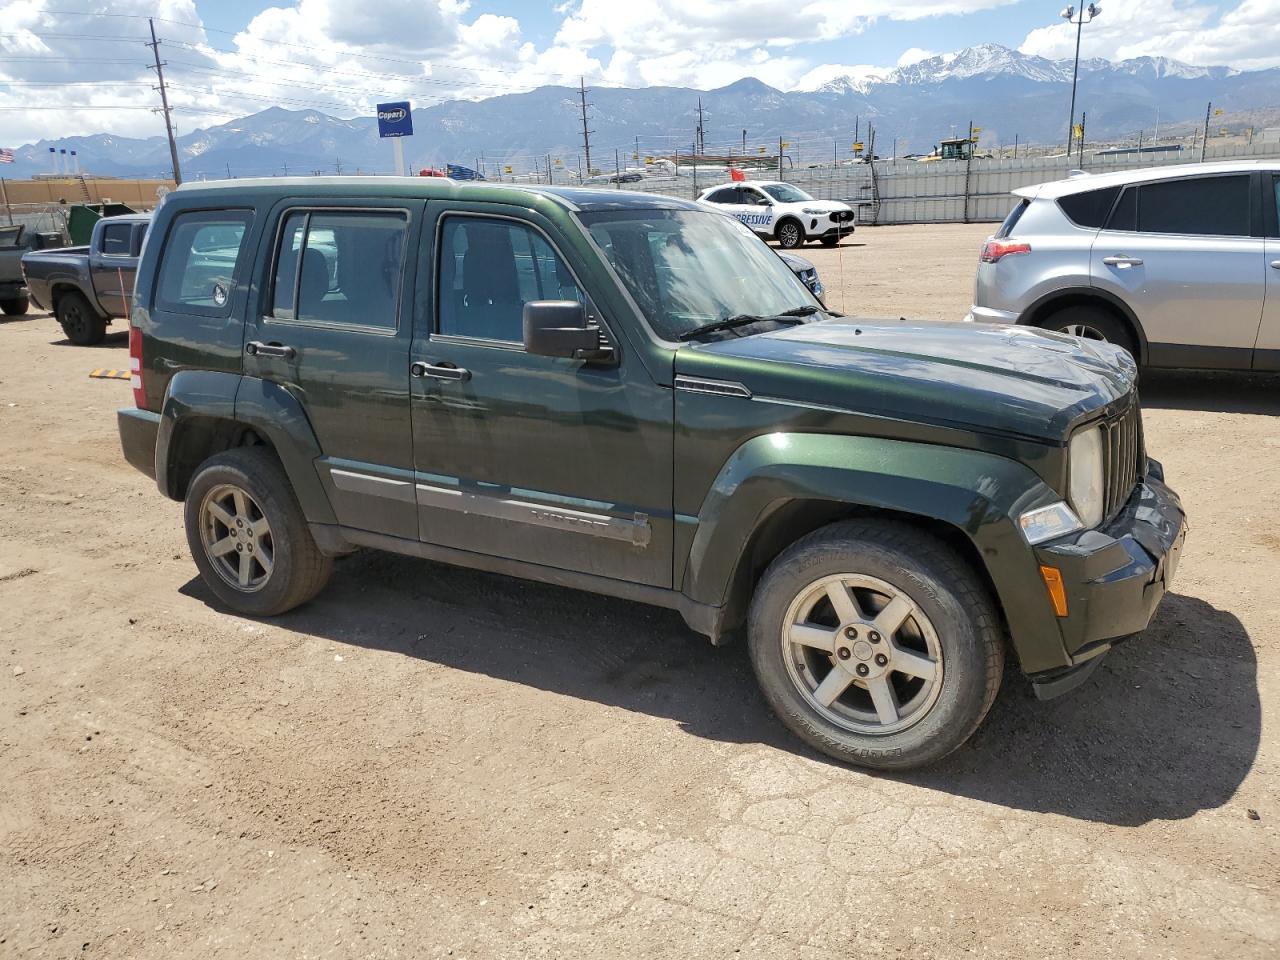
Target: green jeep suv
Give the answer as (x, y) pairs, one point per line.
(633, 395)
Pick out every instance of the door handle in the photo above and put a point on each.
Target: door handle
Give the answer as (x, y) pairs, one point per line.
(439, 371)
(1275, 264)
(256, 348)
(1122, 261)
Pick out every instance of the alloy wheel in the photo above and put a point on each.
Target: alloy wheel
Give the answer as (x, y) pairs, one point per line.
(237, 538)
(862, 654)
(1084, 331)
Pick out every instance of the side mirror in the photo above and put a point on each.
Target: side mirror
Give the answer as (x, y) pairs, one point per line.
(559, 328)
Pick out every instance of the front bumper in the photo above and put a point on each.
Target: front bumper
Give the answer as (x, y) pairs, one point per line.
(1114, 577)
(138, 429)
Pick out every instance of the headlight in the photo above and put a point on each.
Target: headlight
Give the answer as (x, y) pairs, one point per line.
(1046, 523)
(1085, 480)
(812, 212)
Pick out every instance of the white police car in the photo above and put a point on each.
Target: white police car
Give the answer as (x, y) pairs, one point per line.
(782, 212)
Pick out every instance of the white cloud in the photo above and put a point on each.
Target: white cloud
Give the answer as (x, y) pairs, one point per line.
(915, 55)
(1246, 36)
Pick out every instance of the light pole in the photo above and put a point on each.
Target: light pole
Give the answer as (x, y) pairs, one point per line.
(1093, 10)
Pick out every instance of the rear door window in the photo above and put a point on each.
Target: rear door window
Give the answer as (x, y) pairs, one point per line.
(1090, 208)
(723, 195)
(1125, 215)
(1198, 206)
(117, 239)
(340, 267)
(202, 258)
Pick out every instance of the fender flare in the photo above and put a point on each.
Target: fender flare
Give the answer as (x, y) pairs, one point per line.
(1038, 310)
(266, 408)
(977, 493)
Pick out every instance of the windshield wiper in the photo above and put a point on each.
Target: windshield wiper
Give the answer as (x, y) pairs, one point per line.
(742, 319)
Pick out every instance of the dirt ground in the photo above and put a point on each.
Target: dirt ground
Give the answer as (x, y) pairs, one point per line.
(429, 762)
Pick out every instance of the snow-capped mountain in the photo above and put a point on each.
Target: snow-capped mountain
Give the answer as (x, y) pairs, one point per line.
(1005, 92)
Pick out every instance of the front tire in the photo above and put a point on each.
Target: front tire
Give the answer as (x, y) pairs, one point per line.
(876, 644)
(829, 241)
(16, 307)
(248, 536)
(1092, 323)
(790, 234)
(80, 322)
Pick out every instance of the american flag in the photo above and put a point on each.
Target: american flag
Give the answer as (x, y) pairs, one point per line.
(6, 155)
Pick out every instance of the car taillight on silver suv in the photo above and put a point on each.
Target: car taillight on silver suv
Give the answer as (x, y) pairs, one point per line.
(996, 249)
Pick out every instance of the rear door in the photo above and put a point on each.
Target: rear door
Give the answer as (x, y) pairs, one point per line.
(1187, 256)
(1267, 354)
(111, 266)
(332, 328)
(756, 210)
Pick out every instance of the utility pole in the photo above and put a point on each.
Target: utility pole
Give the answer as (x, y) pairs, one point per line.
(164, 103)
(586, 134)
(1204, 142)
(744, 143)
(779, 158)
(1083, 116)
(702, 131)
(1092, 10)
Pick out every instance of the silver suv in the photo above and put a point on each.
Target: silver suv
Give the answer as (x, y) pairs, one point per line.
(1179, 265)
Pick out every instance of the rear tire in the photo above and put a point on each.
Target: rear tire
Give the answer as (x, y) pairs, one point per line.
(829, 241)
(248, 536)
(790, 234)
(920, 627)
(1092, 323)
(16, 307)
(80, 322)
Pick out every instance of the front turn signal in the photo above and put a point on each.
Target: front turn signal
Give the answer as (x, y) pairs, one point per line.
(1057, 592)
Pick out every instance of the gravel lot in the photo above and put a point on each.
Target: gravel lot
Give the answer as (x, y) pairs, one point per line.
(429, 762)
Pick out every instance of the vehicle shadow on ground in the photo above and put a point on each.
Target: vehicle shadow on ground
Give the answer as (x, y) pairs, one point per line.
(1208, 390)
(113, 340)
(1168, 726)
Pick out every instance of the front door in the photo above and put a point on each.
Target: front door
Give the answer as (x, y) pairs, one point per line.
(557, 462)
(333, 328)
(1267, 354)
(1187, 258)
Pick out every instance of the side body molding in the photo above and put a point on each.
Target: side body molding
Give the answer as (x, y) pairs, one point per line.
(977, 493)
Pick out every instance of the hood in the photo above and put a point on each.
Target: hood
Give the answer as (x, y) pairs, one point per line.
(794, 261)
(991, 378)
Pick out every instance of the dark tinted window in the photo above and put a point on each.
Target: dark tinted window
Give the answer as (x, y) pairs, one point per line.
(117, 239)
(1012, 219)
(1125, 215)
(340, 267)
(1090, 208)
(489, 269)
(723, 195)
(1207, 206)
(201, 260)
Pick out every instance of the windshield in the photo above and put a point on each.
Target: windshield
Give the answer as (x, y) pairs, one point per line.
(688, 268)
(786, 193)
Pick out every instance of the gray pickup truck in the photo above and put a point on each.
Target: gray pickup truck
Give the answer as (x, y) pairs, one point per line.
(88, 287)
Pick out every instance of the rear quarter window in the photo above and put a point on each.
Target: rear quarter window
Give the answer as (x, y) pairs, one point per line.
(202, 257)
(1012, 219)
(1089, 208)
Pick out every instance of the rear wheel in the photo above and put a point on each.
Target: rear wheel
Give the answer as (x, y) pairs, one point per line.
(1092, 323)
(876, 644)
(248, 536)
(790, 234)
(16, 307)
(80, 322)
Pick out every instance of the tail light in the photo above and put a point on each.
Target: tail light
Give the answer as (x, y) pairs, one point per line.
(135, 368)
(995, 250)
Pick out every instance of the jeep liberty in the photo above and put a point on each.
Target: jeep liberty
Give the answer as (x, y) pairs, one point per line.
(634, 395)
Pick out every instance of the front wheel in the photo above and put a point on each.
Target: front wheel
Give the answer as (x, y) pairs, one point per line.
(16, 307)
(876, 644)
(1092, 323)
(829, 241)
(248, 536)
(790, 235)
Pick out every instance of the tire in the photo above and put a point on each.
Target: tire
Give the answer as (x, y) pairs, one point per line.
(790, 234)
(252, 478)
(80, 322)
(829, 241)
(950, 630)
(16, 307)
(1092, 323)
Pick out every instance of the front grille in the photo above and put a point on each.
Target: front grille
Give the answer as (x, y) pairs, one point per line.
(842, 216)
(1124, 459)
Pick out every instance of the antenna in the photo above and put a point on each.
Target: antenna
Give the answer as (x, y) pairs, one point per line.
(164, 103)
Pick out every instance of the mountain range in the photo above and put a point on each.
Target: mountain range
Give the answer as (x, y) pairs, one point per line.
(1004, 92)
